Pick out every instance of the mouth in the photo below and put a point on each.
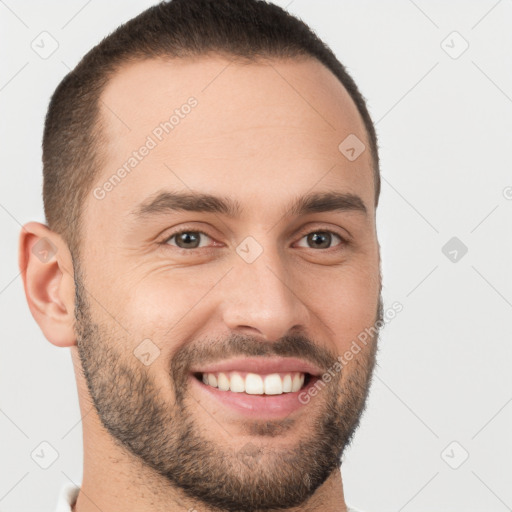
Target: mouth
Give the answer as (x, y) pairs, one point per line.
(257, 387)
(255, 383)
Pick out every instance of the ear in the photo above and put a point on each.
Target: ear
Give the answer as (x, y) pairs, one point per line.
(46, 267)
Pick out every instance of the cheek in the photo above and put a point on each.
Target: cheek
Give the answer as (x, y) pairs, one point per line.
(162, 313)
(167, 305)
(346, 303)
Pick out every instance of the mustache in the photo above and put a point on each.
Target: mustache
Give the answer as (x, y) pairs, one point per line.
(206, 352)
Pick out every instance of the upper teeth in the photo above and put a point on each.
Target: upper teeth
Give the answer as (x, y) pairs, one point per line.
(255, 384)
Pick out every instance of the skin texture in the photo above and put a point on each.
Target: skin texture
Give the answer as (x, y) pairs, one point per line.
(262, 134)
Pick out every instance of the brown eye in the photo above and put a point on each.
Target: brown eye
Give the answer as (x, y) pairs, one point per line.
(321, 239)
(187, 239)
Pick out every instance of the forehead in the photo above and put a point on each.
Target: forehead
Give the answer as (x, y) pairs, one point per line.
(226, 127)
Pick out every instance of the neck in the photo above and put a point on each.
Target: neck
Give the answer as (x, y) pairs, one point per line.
(111, 486)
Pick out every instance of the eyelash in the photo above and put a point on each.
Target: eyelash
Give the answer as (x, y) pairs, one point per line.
(164, 242)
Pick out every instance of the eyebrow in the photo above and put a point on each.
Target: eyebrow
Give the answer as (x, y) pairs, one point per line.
(166, 201)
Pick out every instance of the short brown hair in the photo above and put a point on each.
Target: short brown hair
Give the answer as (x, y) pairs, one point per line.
(73, 149)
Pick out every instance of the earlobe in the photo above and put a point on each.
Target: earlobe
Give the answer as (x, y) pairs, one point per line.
(47, 271)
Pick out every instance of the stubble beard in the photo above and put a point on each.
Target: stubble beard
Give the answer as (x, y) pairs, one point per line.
(164, 436)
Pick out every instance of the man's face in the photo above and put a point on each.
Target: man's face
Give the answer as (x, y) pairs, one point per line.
(262, 300)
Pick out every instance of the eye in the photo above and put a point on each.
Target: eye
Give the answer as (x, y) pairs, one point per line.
(191, 239)
(322, 239)
(186, 239)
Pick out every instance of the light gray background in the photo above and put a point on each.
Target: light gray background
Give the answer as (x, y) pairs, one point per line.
(445, 127)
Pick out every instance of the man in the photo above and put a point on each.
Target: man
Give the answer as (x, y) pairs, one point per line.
(231, 374)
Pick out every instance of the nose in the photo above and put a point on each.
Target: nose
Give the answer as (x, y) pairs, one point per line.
(261, 299)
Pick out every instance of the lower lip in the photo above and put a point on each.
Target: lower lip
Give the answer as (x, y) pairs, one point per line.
(257, 406)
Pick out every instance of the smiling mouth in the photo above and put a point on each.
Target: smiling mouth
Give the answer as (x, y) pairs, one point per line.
(256, 383)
